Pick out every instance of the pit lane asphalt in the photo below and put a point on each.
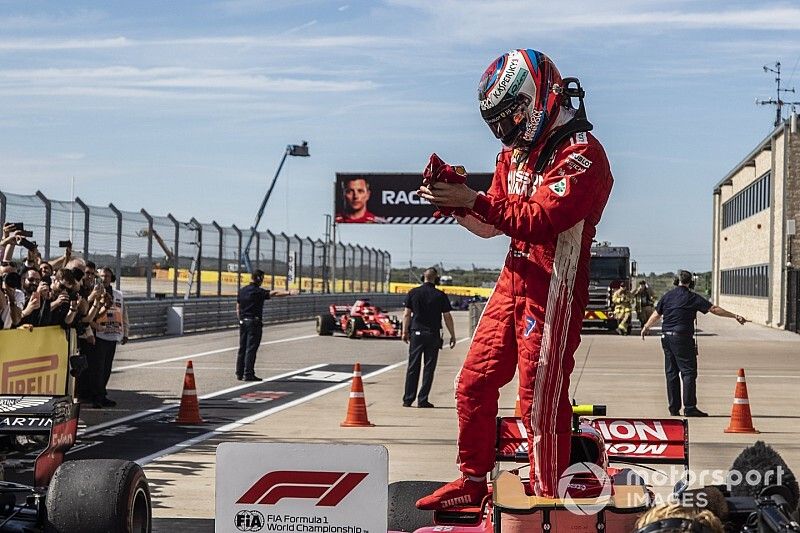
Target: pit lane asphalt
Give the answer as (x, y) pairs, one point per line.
(625, 373)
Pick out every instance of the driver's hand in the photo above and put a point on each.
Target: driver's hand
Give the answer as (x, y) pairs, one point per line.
(452, 342)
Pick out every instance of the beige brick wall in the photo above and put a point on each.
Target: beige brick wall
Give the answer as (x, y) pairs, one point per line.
(756, 240)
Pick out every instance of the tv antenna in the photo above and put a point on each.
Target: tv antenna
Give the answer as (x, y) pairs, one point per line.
(777, 102)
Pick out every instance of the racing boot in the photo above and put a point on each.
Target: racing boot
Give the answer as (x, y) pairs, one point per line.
(462, 492)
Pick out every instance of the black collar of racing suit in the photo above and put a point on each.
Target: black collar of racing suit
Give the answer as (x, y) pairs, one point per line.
(578, 123)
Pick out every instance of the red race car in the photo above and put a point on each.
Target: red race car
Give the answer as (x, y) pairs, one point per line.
(362, 319)
(597, 443)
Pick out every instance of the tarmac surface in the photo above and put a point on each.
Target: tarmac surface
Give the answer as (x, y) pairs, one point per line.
(624, 373)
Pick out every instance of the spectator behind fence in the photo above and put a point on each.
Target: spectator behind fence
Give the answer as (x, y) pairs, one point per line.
(110, 328)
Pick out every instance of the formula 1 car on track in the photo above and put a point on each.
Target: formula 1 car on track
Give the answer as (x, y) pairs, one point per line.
(621, 495)
(362, 319)
(39, 491)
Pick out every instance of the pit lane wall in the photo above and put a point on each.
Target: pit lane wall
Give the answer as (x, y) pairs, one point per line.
(153, 318)
(34, 361)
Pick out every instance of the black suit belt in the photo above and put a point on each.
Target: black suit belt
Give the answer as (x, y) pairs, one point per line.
(677, 334)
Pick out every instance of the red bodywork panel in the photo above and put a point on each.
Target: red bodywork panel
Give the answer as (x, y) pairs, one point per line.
(376, 322)
(639, 440)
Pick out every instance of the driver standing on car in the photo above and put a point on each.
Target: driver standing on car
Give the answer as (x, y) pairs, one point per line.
(425, 306)
(551, 183)
(250, 312)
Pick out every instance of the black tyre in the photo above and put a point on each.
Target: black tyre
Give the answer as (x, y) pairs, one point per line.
(99, 496)
(403, 514)
(325, 324)
(354, 325)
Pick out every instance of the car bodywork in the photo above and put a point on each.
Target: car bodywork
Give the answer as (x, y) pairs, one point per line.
(39, 490)
(362, 319)
(599, 444)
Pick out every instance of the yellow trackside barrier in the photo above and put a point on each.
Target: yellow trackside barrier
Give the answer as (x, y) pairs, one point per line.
(454, 290)
(34, 361)
(210, 277)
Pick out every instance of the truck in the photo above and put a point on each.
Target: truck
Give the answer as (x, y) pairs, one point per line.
(610, 268)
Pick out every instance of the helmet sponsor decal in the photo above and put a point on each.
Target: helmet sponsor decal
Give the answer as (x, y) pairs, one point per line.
(496, 92)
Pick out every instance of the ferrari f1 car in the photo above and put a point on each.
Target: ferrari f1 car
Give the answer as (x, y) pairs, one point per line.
(361, 319)
(39, 491)
(604, 454)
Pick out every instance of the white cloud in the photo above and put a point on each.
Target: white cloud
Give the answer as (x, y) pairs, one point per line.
(475, 19)
(126, 81)
(64, 44)
(279, 41)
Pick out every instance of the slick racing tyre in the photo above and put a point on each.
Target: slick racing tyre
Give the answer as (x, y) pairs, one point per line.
(354, 325)
(403, 514)
(98, 496)
(325, 324)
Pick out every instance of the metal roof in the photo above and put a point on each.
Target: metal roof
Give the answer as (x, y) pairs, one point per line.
(749, 160)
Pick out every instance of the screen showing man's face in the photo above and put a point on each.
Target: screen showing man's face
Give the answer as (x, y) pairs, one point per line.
(356, 195)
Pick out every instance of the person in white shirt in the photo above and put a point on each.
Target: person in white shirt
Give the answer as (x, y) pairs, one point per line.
(110, 328)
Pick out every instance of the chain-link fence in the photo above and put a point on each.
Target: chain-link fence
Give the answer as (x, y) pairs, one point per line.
(160, 256)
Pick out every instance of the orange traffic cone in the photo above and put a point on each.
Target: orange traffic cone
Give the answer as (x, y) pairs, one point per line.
(517, 409)
(741, 420)
(189, 412)
(357, 406)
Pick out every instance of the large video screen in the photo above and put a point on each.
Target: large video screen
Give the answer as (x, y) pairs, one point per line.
(390, 198)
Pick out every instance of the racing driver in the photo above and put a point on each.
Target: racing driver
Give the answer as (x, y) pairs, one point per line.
(550, 185)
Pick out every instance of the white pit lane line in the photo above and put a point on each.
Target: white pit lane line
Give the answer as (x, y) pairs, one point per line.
(258, 416)
(147, 412)
(263, 414)
(203, 354)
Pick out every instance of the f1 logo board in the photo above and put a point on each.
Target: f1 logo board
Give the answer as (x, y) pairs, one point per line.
(301, 487)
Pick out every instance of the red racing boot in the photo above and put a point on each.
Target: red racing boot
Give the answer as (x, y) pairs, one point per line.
(462, 492)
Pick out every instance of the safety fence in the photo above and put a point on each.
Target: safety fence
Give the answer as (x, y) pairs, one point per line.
(153, 318)
(148, 250)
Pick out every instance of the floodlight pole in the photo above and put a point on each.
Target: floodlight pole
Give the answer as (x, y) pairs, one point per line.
(297, 150)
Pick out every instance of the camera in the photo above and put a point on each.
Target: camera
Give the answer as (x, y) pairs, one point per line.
(14, 226)
(65, 244)
(30, 245)
(25, 233)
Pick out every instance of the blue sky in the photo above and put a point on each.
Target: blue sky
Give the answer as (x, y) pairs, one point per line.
(186, 106)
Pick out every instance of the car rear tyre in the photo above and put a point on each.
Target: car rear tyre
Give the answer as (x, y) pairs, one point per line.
(325, 324)
(99, 496)
(403, 514)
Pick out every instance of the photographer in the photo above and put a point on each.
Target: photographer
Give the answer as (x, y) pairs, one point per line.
(679, 309)
(10, 313)
(676, 518)
(110, 329)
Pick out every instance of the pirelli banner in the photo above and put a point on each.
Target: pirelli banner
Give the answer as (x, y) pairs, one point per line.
(390, 198)
(34, 361)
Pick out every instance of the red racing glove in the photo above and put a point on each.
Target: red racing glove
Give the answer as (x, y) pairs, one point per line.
(439, 171)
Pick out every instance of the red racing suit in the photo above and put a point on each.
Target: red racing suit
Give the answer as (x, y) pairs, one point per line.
(533, 319)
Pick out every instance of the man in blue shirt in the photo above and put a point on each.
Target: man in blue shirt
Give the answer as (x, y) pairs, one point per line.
(249, 311)
(679, 308)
